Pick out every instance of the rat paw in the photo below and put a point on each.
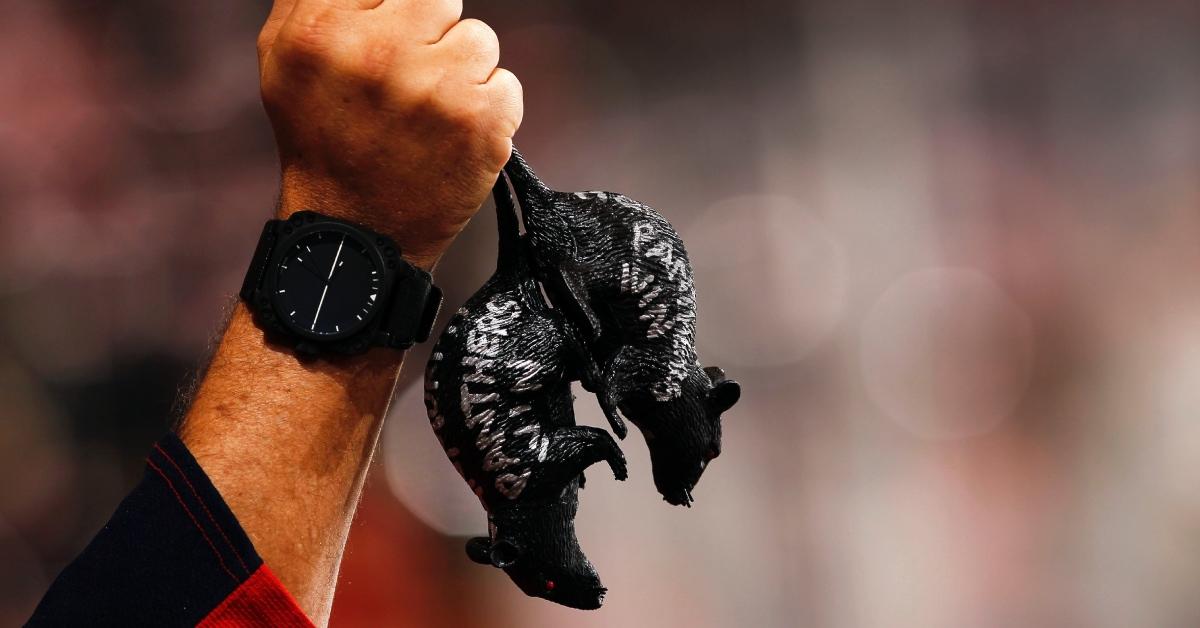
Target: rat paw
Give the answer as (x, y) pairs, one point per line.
(619, 466)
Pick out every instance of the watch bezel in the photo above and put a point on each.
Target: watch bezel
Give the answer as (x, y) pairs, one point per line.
(305, 224)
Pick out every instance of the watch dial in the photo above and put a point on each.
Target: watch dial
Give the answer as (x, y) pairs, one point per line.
(328, 284)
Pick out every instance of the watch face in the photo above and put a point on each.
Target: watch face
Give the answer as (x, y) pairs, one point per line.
(328, 284)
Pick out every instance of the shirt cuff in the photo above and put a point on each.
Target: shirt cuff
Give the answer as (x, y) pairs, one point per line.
(173, 554)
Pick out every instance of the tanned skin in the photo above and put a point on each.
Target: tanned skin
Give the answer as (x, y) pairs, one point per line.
(392, 114)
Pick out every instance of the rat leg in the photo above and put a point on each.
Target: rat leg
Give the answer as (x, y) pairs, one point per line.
(594, 384)
(609, 386)
(609, 405)
(588, 371)
(570, 450)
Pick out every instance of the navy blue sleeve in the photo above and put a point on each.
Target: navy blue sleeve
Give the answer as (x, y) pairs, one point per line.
(171, 553)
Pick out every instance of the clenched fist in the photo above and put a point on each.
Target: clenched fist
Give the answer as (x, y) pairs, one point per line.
(389, 113)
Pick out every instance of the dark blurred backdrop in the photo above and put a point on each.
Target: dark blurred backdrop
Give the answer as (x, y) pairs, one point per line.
(949, 249)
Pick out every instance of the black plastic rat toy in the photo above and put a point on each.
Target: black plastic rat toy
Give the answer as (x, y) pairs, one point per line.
(497, 391)
(620, 273)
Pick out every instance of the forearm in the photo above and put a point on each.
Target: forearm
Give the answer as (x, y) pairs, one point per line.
(388, 114)
(287, 442)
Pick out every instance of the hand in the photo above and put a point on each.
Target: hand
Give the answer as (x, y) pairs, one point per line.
(388, 113)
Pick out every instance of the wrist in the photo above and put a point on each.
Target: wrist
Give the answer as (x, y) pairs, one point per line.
(374, 298)
(421, 243)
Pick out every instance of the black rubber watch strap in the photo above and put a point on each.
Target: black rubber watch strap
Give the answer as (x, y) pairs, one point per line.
(258, 264)
(415, 302)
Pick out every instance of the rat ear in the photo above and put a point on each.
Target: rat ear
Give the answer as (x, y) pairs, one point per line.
(504, 554)
(479, 550)
(715, 373)
(724, 395)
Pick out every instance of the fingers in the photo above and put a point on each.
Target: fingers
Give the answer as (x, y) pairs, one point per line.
(284, 10)
(318, 5)
(490, 113)
(409, 49)
(471, 49)
(505, 96)
(275, 19)
(434, 17)
(470, 52)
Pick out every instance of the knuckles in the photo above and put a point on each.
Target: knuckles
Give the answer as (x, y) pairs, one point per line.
(476, 39)
(308, 39)
(372, 62)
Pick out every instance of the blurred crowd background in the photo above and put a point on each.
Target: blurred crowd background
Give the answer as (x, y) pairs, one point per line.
(948, 248)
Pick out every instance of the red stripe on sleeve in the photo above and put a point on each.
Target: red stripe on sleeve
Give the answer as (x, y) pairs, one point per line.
(260, 601)
(187, 510)
(196, 494)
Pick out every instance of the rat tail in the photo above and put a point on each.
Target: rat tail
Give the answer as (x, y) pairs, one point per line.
(523, 177)
(535, 197)
(511, 257)
(543, 211)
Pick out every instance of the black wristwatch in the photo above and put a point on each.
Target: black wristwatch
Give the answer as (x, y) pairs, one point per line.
(326, 286)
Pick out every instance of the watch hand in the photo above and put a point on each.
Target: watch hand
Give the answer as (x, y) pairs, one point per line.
(336, 256)
(337, 268)
(316, 273)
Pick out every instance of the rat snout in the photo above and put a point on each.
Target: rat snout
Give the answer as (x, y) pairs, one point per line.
(587, 594)
(585, 599)
(681, 496)
(675, 482)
